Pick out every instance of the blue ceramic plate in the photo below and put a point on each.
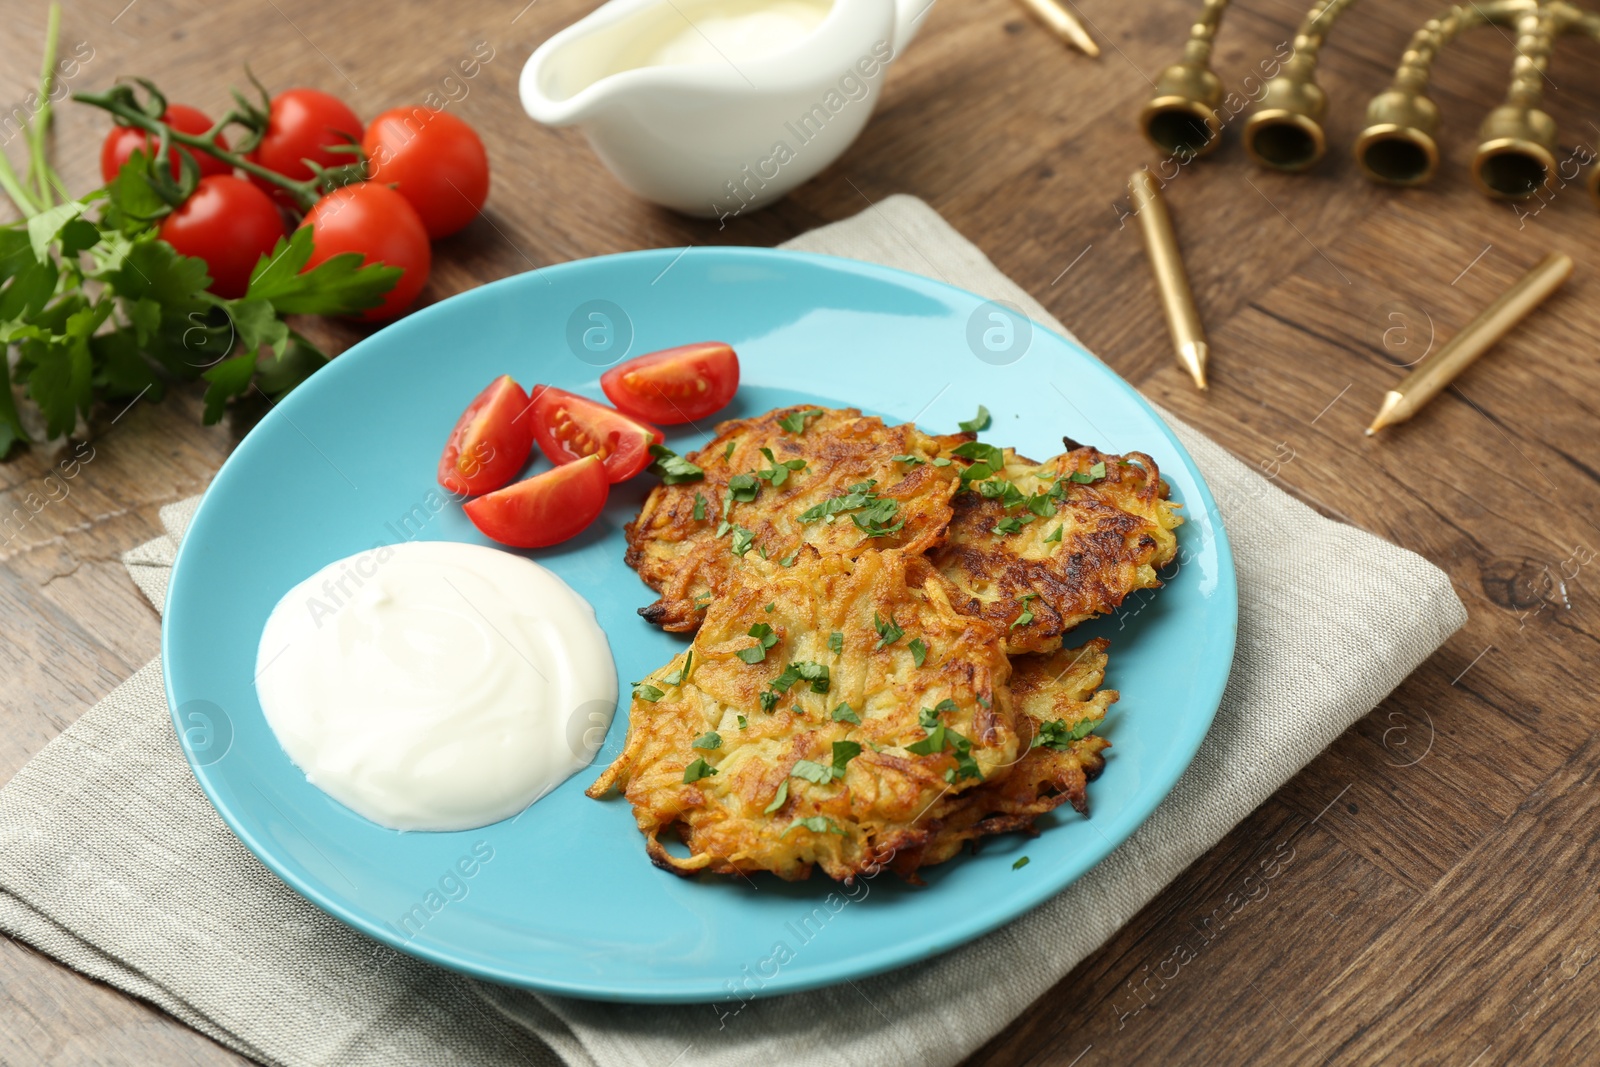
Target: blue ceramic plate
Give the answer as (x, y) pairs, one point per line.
(562, 898)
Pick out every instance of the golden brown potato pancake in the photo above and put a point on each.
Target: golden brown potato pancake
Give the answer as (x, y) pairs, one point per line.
(828, 708)
(1041, 547)
(1057, 700)
(762, 475)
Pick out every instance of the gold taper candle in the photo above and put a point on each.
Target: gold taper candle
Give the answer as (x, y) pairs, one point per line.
(1441, 368)
(1064, 24)
(1183, 318)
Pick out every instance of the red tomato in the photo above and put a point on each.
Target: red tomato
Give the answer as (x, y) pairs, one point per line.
(545, 509)
(569, 427)
(303, 124)
(676, 384)
(230, 224)
(435, 160)
(123, 141)
(491, 441)
(377, 222)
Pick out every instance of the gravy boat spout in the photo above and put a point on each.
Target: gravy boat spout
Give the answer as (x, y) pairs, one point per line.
(715, 107)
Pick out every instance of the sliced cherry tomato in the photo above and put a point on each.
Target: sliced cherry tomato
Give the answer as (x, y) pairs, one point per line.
(491, 440)
(434, 160)
(121, 143)
(230, 224)
(676, 384)
(569, 427)
(304, 124)
(545, 509)
(376, 221)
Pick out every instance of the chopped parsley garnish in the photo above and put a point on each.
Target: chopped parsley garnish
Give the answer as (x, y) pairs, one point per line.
(805, 670)
(1021, 863)
(815, 773)
(843, 753)
(836, 641)
(928, 718)
(681, 675)
(1005, 492)
(672, 467)
(727, 453)
(788, 561)
(743, 488)
(1027, 615)
(699, 508)
(888, 630)
(984, 701)
(1054, 535)
(742, 540)
(795, 421)
(772, 605)
(908, 459)
(1041, 505)
(744, 723)
(977, 423)
(941, 462)
(708, 741)
(874, 519)
(845, 713)
(859, 496)
(778, 799)
(938, 738)
(765, 639)
(919, 651)
(697, 770)
(981, 453)
(932, 743)
(778, 473)
(647, 692)
(1011, 525)
(817, 824)
(976, 473)
(1096, 472)
(1058, 736)
(702, 600)
(769, 700)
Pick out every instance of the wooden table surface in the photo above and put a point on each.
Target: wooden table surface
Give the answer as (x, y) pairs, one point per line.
(1439, 901)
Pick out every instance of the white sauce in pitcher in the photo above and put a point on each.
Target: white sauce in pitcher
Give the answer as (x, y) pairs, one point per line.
(435, 685)
(739, 36)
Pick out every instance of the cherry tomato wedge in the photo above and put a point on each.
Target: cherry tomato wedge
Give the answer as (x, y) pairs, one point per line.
(676, 384)
(491, 441)
(545, 509)
(569, 427)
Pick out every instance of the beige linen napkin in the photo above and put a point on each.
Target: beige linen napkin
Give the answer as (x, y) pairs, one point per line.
(112, 861)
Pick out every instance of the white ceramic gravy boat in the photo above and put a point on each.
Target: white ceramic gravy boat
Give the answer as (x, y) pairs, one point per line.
(730, 134)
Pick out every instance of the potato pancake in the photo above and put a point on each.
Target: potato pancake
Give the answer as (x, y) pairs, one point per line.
(821, 714)
(794, 476)
(1058, 702)
(1040, 547)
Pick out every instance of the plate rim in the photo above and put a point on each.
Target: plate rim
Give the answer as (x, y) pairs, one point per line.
(948, 937)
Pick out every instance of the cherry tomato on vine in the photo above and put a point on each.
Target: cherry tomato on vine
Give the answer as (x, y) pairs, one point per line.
(569, 427)
(230, 224)
(490, 442)
(435, 160)
(676, 384)
(303, 124)
(545, 509)
(376, 221)
(123, 141)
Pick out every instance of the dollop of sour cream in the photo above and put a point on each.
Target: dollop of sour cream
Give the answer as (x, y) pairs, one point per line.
(743, 33)
(435, 685)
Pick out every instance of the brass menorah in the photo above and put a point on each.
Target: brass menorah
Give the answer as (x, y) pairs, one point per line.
(1516, 153)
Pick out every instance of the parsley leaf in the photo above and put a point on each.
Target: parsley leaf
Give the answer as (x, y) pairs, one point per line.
(769, 700)
(743, 722)
(929, 745)
(843, 753)
(336, 286)
(836, 641)
(765, 639)
(795, 421)
(1058, 736)
(697, 770)
(1096, 472)
(700, 506)
(1027, 615)
(742, 540)
(817, 824)
(743, 488)
(814, 773)
(647, 692)
(674, 469)
(1021, 863)
(874, 519)
(727, 453)
(859, 496)
(845, 713)
(908, 459)
(1054, 535)
(708, 741)
(778, 472)
(977, 423)
(679, 676)
(919, 651)
(778, 799)
(788, 561)
(1041, 505)
(888, 630)
(982, 453)
(1011, 525)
